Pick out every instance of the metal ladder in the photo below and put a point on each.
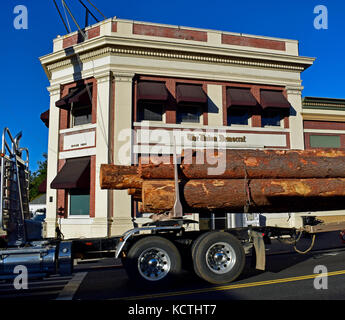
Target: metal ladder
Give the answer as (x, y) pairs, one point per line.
(14, 189)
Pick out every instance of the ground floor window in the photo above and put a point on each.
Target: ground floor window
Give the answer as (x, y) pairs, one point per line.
(79, 202)
(320, 141)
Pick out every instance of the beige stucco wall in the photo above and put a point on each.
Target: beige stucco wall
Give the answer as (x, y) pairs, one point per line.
(52, 161)
(122, 148)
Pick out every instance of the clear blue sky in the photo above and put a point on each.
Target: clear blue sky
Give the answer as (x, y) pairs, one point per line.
(23, 90)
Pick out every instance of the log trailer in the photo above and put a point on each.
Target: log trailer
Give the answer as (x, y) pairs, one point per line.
(153, 253)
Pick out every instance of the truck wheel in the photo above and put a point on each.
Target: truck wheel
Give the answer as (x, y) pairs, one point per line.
(218, 257)
(153, 260)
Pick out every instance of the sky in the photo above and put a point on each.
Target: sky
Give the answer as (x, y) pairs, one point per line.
(23, 91)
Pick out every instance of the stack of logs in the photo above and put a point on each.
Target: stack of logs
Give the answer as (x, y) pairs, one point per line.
(264, 180)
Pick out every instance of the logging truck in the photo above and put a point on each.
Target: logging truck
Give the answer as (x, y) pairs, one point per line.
(156, 252)
(252, 181)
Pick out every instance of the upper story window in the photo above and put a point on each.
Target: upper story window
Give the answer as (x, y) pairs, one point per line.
(81, 114)
(188, 114)
(150, 111)
(271, 118)
(239, 116)
(275, 108)
(191, 101)
(152, 97)
(240, 104)
(81, 106)
(78, 103)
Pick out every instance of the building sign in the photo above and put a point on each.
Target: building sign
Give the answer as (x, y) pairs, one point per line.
(147, 139)
(79, 140)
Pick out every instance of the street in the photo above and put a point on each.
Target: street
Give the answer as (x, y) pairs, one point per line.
(288, 276)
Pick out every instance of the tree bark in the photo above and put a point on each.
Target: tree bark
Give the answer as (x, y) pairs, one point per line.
(119, 177)
(255, 164)
(266, 195)
(136, 193)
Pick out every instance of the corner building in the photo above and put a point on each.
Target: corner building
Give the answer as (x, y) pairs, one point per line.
(146, 77)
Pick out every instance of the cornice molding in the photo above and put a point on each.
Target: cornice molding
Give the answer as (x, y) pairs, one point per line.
(54, 90)
(123, 77)
(104, 76)
(294, 90)
(311, 105)
(171, 54)
(322, 117)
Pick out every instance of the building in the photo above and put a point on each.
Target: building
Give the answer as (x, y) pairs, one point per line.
(324, 122)
(112, 95)
(39, 204)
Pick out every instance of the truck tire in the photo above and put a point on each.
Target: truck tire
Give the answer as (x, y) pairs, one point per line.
(218, 257)
(153, 260)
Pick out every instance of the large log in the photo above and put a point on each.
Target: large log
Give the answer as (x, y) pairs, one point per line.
(256, 164)
(136, 193)
(119, 177)
(266, 195)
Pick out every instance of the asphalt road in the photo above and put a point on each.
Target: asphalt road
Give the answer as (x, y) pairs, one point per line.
(288, 276)
(38, 289)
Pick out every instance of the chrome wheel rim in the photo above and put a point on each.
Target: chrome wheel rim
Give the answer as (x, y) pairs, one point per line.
(220, 257)
(154, 264)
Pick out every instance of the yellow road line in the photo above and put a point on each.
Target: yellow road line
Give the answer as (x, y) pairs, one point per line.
(232, 287)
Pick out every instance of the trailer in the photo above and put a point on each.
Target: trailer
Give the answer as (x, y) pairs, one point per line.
(159, 250)
(153, 253)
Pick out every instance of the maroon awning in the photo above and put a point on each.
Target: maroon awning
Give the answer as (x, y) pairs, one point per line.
(150, 90)
(83, 96)
(240, 97)
(79, 94)
(75, 174)
(190, 93)
(274, 99)
(45, 118)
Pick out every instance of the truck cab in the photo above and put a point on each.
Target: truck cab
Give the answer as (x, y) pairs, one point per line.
(22, 239)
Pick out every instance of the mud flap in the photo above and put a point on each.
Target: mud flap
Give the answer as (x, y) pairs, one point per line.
(259, 246)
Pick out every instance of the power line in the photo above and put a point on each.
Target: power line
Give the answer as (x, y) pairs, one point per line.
(97, 9)
(88, 11)
(64, 9)
(63, 21)
(74, 20)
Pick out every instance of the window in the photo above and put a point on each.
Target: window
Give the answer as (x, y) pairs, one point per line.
(317, 141)
(81, 115)
(271, 118)
(188, 114)
(238, 116)
(81, 107)
(150, 111)
(79, 202)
